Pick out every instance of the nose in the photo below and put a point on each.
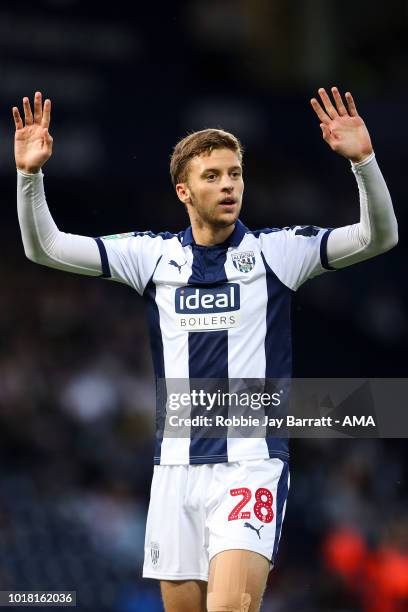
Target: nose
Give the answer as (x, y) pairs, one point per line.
(227, 184)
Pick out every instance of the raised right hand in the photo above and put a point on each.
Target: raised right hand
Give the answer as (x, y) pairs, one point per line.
(32, 142)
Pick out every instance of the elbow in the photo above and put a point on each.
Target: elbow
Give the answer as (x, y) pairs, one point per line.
(391, 240)
(30, 254)
(35, 257)
(387, 243)
(393, 243)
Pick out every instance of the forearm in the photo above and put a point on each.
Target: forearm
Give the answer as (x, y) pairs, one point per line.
(377, 230)
(42, 240)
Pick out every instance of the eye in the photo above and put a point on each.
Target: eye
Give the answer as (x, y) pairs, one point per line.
(236, 173)
(210, 177)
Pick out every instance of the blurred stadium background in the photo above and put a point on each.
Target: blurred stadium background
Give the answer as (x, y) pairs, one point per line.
(76, 386)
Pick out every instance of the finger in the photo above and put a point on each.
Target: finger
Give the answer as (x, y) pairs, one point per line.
(37, 107)
(28, 116)
(18, 122)
(325, 131)
(341, 109)
(351, 105)
(330, 110)
(319, 111)
(46, 118)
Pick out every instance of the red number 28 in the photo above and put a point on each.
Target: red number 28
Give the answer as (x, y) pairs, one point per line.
(263, 501)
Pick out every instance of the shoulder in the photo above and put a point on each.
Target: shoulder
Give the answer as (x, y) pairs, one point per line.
(263, 232)
(303, 230)
(144, 234)
(133, 239)
(290, 231)
(159, 235)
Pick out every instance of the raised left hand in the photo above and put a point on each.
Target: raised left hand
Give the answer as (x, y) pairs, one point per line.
(342, 127)
(32, 141)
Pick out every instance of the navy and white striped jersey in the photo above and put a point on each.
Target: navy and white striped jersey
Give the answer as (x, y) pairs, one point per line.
(220, 312)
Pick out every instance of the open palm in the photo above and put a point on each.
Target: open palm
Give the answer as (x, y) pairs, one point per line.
(342, 127)
(32, 142)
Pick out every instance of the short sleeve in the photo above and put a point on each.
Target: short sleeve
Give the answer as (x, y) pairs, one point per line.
(296, 253)
(130, 258)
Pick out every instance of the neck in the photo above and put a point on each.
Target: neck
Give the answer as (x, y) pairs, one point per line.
(210, 236)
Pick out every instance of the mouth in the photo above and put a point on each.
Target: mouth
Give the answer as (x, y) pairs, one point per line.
(228, 202)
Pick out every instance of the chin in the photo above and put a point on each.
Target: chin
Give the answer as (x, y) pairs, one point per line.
(225, 221)
(226, 218)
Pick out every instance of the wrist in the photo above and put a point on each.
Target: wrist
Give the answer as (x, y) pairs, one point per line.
(29, 169)
(358, 159)
(355, 166)
(24, 172)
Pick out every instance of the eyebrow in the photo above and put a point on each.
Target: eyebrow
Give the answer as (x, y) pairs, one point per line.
(217, 169)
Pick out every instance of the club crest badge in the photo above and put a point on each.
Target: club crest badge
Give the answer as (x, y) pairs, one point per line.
(244, 262)
(154, 553)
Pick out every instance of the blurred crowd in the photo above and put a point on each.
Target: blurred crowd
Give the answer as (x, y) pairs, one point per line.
(77, 422)
(76, 382)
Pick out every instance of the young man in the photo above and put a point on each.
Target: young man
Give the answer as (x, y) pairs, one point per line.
(218, 298)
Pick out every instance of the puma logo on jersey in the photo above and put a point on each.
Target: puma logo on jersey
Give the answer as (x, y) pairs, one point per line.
(254, 528)
(176, 265)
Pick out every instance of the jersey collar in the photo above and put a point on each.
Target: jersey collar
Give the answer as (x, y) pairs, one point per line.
(234, 240)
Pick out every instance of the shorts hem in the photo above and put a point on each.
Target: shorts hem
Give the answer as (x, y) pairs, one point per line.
(176, 576)
(236, 546)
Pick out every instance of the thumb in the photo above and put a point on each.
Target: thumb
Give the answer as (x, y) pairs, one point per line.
(47, 136)
(325, 131)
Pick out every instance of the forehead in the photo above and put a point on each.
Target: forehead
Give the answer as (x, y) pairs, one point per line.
(218, 158)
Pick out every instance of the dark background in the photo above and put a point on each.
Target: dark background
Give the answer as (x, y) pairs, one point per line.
(76, 388)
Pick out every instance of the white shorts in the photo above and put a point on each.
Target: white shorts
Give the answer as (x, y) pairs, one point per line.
(197, 511)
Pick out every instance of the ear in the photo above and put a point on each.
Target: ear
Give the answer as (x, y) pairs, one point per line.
(183, 193)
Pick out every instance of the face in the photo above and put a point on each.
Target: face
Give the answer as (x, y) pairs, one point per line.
(214, 188)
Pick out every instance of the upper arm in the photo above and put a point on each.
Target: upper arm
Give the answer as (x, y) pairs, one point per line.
(346, 246)
(130, 258)
(296, 253)
(350, 244)
(68, 252)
